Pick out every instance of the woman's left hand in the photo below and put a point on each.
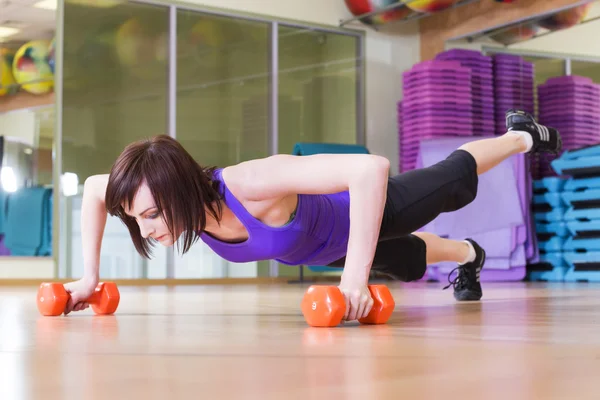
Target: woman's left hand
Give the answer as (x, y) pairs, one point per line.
(358, 300)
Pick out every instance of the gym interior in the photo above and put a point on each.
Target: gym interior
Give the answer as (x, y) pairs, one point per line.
(238, 80)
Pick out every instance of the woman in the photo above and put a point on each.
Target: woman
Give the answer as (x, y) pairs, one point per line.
(326, 209)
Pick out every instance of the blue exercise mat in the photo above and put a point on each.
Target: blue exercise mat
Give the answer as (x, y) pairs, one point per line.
(552, 245)
(584, 214)
(306, 149)
(551, 267)
(552, 199)
(582, 245)
(553, 228)
(582, 266)
(581, 197)
(548, 184)
(573, 185)
(556, 215)
(28, 224)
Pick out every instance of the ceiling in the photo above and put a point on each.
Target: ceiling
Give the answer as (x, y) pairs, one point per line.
(32, 21)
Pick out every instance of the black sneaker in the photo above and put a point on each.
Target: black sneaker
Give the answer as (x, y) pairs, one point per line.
(545, 138)
(466, 284)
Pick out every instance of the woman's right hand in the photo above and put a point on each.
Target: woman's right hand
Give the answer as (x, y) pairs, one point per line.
(79, 291)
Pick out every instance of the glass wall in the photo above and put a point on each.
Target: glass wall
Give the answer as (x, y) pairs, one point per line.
(589, 69)
(117, 88)
(114, 92)
(318, 83)
(223, 72)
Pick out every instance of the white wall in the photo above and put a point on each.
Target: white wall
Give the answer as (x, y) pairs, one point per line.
(388, 53)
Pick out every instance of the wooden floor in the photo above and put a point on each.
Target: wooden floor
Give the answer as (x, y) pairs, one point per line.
(250, 342)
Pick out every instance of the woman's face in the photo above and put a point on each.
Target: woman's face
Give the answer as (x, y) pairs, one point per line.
(149, 220)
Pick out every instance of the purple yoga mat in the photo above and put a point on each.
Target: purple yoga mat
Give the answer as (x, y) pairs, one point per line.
(569, 79)
(569, 109)
(428, 113)
(569, 122)
(436, 107)
(444, 83)
(570, 88)
(463, 53)
(493, 194)
(544, 102)
(565, 97)
(438, 65)
(464, 102)
(435, 92)
(567, 116)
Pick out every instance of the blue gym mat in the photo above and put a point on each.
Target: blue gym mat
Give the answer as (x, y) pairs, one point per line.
(556, 215)
(584, 214)
(554, 228)
(548, 184)
(584, 161)
(573, 185)
(582, 266)
(581, 197)
(584, 228)
(552, 245)
(552, 199)
(581, 245)
(551, 267)
(584, 151)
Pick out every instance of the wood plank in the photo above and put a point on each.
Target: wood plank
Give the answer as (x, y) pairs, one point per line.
(438, 28)
(521, 342)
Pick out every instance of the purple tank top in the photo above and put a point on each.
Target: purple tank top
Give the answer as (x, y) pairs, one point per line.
(317, 235)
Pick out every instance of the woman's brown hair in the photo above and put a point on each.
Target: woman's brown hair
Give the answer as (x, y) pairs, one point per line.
(181, 188)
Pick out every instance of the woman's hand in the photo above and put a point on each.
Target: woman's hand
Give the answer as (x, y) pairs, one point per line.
(359, 301)
(79, 291)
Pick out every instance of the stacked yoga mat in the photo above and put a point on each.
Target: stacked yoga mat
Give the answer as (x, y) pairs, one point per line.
(573, 242)
(437, 101)
(460, 93)
(570, 104)
(499, 219)
(513, 87)
(482, 87)
(551, 230)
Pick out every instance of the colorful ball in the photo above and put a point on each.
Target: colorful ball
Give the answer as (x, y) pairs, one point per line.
(50, 57)
(30, 67)
(360, 7)
(430, 6)
(141, 48)
(515, 34)
(7, 79)
(566, 19)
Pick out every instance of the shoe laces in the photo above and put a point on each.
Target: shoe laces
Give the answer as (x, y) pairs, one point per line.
(462, 278)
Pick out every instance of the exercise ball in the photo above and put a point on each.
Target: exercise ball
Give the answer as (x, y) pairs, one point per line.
(515, 34)
(142, 48)
(566, 19)
(7, 79)
(360, 7)
(31, 65)
(430, 6)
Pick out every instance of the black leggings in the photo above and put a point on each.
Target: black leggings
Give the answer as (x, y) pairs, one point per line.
(414, 199)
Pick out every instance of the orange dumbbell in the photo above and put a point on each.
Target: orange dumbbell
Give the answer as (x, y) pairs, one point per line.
(325, 306)
(52, 298)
